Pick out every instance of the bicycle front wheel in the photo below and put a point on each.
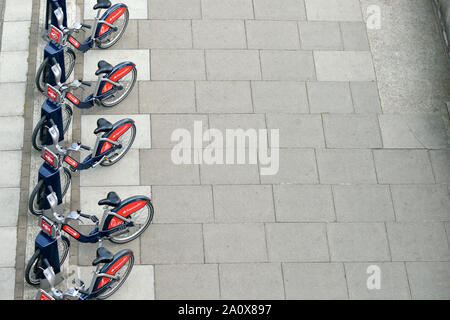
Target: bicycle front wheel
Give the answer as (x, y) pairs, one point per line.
(121, 23)
(35, 203)
(127, 82)
(33, 269)
(43, 73)
(126, 140)
(123, 273)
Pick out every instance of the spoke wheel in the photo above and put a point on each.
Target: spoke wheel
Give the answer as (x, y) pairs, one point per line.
(127, 82)
(126, 140)
(111, 39)
(123, 273)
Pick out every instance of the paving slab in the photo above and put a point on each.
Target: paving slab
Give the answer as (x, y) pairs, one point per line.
(8, 281)
(227, 9)
(352, 242)
(272, 35)
(178, 65)
(342, 166)
(333, 10)
(233, 65)
(302, 203)
(13, 66)
(287, 65)
(174, 9)
(137, 9)
(224, 97)
(167, 96)
(237, 121)
(187, 281)
(344, 66)
(255, 281)
(17, 10)
(123, 173)
(365, 97)
(307, 281)
(172, 244)
(219, 34)
(288, 10)
(354, 36)
(142, 123)
(439, 161)
(234, 243)
(10, 39)
(244, 203)
(12, 166)
(13, 97)
(403, 166)
(280, 96)
(9, 202)
(297, 242)
(8, 241)
(11, 133)
(316, 35)
(421, 203)
(363, 203)
(418, 241)
(329, 97)
(165, 34)
(229, 174)
(429, 280)
(139, 57)
(183, 204)
(393, 283)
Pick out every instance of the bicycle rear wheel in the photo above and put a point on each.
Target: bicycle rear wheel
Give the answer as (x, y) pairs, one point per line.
(126, 140)
(123, 273)
(127, 82)
(121, 23)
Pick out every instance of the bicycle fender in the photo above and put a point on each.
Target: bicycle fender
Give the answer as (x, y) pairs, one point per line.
(127, 207)
(119, 71)
(111, 15)
(119, 128)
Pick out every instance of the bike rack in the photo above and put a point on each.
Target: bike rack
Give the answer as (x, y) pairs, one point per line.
(51, 110)
(49, 249)
(51, 177)
(55, 50)
(50, 18)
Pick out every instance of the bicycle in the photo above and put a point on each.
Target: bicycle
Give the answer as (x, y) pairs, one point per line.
(112, 23)
(130, 217)
(113, 142)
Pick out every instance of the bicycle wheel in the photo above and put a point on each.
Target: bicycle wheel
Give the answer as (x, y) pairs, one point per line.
(43, 73)
(126, 140)
(123, 273)
(67, 114)
(35, 203)
(63, 249)
(69, 61)
(36, 136)
(121, 23)
(142, 219)
(66, 178)
(127, 82)
(33, 269)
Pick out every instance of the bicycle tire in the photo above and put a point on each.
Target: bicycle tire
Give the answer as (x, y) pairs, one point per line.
(34, 194)
(66, 245)
(35, 258)
(40, 85)
(106, 163)
(101, 44)
(35, 137)
(41, 79)
(68, 181)
(125, 94)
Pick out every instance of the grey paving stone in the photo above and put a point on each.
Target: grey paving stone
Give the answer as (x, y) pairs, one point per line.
(295, 166)
(287, 65)
(246, 203)
(12, 95)
(19, 10)
(354, 36)
(7, 283)
(12, 166)
(183, 204)
(229, 174)
(307, 281)
(227, 9)
(285, 10)
(344, 66)
(296, 242)
(352, 131)
(187, 281)
(424, 241)
(134, 289)
(339, 166)
(440, 160)
(413, 131)
(301, 203)
(237, 121)
(165, 34)
(10, 40)
(447, 229)
(393, 285)
(272, 35)
(167, 96)
(280, 96)
(8, 242)
(157, 168)
(297, 131)
(332, 97)
(219, 34)
(174, 9)
(363, 203)
(131, 41)
(429, 280)
(320, 35)
(233, 65)
(251, 281)
(358, 242)
(14, 66)
(234, 243)
(403, 166)
(177, 65)
(333, 10)
(163, 127)
(9, 202)
(172, 243)
(365, 97)
(421, 203)
(137, 8)
(224, 96)
(11, 133)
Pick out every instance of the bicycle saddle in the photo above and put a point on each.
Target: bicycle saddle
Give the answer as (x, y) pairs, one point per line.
(103, 256)
(103, 125)
(112, 199)
(103, 67)
(102, 4)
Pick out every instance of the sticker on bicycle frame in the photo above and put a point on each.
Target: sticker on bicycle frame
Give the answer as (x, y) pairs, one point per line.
(115, 135)
(126, 211)
(55, 34)
(111, 271)
(50, 157)
(45, 296)
(71, 231)
(111, 19)
(72, 98)
(47, 226)
(74, 41)
(119, 74)
(71, 161)
(52, 93)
